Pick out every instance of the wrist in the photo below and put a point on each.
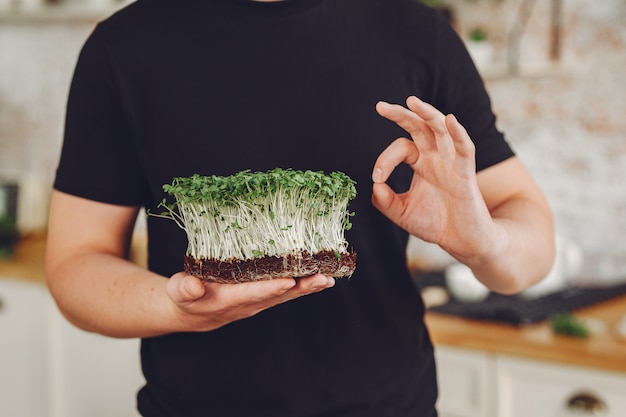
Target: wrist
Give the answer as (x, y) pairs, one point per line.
(495, 260)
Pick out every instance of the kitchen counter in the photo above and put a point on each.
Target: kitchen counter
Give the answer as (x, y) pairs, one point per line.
(27, 263)
(605, 349)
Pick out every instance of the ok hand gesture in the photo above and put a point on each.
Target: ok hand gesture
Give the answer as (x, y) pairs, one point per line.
(444, 204)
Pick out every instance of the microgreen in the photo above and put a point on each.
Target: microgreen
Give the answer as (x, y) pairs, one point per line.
(253, 214)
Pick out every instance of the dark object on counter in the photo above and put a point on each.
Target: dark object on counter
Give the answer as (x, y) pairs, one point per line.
(568, 325)
(517, 310)
(8, 216)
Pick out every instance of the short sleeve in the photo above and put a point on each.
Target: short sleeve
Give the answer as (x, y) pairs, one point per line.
(460, 90)
(99, 159)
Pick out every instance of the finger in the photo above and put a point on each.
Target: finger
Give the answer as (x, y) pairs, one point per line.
(299, 287)
(461, 139)
(436, 122)
(429, 114)
(405, 118)
(184, 288)
(411, 122)
(402, 150)
(308, 285)
(313, 283)
(246, 293)
(387, 202)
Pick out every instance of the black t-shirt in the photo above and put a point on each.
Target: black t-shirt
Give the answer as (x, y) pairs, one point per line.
(168, 88)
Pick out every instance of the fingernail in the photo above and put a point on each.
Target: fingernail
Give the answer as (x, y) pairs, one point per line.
(382, 106)
(322, 285)
(191, 288)
(377, 175)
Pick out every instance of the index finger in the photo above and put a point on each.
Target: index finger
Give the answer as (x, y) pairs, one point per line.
(399, 151)
(404, 117)
(428, 114)
(420, 132)
(274, 291)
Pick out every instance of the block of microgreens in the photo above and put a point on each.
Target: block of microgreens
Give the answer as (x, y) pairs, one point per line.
(261, 225)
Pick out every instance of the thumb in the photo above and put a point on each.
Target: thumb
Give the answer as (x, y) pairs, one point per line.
(183, 288)
(386, 201)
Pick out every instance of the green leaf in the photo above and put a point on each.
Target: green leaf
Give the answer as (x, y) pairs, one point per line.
(568, 325)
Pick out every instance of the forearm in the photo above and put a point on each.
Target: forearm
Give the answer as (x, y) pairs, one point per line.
(522, 248)
(106, 294)
(97, 289)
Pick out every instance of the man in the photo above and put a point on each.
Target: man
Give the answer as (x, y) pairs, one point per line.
(165, 89)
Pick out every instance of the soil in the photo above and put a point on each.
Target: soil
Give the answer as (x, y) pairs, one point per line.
(268, 267)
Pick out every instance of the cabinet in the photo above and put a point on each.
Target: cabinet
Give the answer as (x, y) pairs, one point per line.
(473, 383)
(531, 388)
(23, 356)
(464, 382)
(91, 375)
(49, 368)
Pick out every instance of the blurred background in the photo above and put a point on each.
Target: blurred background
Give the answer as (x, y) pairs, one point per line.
(556, 72)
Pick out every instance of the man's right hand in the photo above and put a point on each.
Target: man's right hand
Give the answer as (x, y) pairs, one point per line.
(201, 305)
(100, 291)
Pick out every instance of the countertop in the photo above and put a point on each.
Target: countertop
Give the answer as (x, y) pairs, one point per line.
(27, 263)
(605, 349)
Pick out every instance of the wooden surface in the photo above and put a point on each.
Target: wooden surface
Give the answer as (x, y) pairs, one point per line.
(27, 263)
(605, 349)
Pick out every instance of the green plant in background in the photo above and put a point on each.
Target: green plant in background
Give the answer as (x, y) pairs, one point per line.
(7, 225)
(568, 325)
(253, 214)
(477, 35)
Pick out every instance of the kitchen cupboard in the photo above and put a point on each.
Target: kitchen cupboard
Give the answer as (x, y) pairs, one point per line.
(91, 375)
(476, 383)
(23, 356)
(532, 388)
(464, 383)
(49, 368)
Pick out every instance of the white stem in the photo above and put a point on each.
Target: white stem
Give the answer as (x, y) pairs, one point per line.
(288, 221)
